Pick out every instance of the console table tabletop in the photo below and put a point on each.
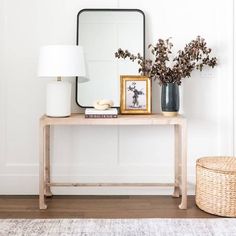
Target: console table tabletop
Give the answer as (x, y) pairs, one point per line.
(79, 119)
(180, 136)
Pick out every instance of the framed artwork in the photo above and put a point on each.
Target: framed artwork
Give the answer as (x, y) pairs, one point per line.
(135, 94)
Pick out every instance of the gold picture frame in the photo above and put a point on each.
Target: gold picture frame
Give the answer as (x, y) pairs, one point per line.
(135, 94)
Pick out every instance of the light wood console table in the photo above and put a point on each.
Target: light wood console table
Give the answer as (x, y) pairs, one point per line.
(179, 123)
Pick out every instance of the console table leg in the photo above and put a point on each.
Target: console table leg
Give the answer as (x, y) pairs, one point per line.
(177, 159)
(42, 154)
(48, 192)
(183, 204)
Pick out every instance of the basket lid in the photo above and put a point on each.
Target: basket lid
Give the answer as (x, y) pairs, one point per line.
(218, 163)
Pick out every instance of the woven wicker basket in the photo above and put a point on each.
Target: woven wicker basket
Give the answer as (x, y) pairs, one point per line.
(216, 185)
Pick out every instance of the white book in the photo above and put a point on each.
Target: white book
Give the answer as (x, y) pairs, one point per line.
(93, 111)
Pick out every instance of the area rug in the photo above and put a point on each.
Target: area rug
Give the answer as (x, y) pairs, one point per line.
(118, 227)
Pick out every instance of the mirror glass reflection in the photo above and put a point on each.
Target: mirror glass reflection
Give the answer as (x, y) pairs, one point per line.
(101, 33)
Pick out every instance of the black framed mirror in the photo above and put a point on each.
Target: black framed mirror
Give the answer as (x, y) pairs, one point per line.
(101, 32)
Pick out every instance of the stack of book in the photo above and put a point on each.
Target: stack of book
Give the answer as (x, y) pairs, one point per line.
(94, 113)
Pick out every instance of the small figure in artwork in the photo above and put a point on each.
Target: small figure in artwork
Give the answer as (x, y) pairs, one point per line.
(136, 94)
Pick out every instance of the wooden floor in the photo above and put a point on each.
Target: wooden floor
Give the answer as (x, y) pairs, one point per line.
(99, 207)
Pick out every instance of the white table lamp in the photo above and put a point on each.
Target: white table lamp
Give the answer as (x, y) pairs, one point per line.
(60, 61)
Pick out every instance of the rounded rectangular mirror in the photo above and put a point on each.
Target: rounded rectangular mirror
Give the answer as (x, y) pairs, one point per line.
(101, 32)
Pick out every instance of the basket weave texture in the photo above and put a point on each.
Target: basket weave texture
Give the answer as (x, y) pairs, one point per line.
(216, 185)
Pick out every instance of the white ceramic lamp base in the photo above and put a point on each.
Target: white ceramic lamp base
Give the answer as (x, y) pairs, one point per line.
(58, 99)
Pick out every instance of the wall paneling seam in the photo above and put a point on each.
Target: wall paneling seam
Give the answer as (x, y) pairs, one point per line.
(234, 84)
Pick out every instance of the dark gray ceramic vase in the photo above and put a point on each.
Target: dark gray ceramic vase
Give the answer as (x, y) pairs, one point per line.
(170, 99)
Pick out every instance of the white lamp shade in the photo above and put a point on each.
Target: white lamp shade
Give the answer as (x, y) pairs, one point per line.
(61, 61)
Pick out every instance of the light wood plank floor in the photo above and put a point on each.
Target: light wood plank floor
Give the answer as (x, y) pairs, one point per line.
(99, 207)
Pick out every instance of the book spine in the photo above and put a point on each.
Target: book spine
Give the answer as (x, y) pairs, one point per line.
(100, 116)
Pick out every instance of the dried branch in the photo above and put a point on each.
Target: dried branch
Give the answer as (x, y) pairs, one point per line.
(195, 55)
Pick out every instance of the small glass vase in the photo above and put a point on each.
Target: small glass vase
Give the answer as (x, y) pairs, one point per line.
(170, 99)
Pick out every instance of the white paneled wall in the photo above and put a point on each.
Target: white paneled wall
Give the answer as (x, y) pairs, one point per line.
(137, 153)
